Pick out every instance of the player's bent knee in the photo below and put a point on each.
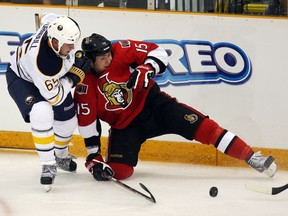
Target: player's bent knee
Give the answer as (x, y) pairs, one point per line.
(121, 170)
(208, 132)
(41, 116)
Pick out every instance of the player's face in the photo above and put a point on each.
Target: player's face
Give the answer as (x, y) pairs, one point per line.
(102, 62)
(66, 49)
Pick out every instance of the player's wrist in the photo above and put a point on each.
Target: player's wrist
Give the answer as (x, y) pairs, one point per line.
(66, 79)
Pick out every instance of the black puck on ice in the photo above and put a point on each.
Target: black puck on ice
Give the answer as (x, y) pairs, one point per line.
(213, 191)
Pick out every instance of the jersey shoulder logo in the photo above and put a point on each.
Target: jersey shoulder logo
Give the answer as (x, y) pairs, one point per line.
(81, 89)
(125, 43)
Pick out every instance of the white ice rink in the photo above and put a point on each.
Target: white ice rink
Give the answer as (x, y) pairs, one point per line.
(179, 189)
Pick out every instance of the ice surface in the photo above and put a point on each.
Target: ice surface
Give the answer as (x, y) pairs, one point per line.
(179, 189)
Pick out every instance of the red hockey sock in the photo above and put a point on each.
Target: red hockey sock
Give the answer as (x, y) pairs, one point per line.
(239, 149)
(121, 170)
(209, 132)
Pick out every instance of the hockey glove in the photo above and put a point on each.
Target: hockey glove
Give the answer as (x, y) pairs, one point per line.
(96, 166)
(140, 77)
(79, 69)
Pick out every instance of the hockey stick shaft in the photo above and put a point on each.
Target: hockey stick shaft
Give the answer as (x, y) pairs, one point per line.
(265, 189)
(150, 198)
(37, 21)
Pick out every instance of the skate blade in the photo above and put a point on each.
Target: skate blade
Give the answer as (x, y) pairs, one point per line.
(47, 188)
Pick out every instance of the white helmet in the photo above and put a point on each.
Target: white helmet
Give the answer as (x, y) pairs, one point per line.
(65, 30)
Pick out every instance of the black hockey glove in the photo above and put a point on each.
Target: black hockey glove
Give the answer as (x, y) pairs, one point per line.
(140, 77)
(98, 168)
(79, 69)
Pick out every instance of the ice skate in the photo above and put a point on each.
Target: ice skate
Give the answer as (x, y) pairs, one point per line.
(67, 163)
(48, 175)
(263, 164)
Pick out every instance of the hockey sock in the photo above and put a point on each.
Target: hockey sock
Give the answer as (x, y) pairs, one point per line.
(209, 132)
(41, 118)
(239, 149)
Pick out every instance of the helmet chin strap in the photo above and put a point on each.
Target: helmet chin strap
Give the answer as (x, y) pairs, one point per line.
(59, 48)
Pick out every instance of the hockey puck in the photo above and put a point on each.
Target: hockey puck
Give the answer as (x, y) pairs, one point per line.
(213, 191)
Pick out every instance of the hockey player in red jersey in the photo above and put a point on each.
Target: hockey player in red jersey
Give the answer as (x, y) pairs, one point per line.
(119, 90)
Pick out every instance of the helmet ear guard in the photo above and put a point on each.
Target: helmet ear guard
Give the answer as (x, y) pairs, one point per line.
(65, 30)
(95, 45)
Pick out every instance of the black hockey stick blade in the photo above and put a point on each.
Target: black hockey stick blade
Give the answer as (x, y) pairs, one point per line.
(151, 195)
(265, 189)
(150, 198)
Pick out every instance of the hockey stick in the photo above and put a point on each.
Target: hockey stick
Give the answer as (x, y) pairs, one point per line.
(37, 24)
(150, 198)
(265, 189)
